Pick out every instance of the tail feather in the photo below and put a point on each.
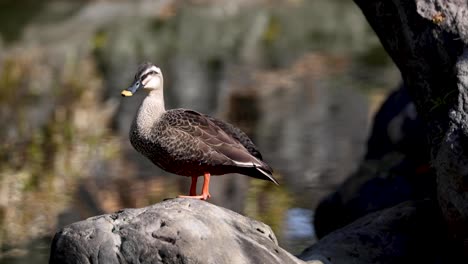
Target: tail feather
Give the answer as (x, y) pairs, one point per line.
(262, 173)
(256, 169)
(268, 174)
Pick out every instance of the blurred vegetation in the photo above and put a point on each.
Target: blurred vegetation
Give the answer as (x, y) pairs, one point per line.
(15, 15)
(40, 161)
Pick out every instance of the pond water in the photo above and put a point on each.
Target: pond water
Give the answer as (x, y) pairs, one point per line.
(302, 78)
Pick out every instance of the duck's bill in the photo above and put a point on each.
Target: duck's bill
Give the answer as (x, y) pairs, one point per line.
(131, 90)
(126, 93)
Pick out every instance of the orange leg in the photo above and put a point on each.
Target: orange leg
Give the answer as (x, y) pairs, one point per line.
(205, 191)
(193, 186)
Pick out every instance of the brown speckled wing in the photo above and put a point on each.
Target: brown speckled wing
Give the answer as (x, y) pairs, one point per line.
(237, 134)
(205, 139)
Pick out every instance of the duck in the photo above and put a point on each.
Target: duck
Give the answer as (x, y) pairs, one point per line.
(188, 143)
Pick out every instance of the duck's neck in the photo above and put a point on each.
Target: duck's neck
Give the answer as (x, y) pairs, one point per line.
(150, 111)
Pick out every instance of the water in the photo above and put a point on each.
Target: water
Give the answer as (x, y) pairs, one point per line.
(298, 229)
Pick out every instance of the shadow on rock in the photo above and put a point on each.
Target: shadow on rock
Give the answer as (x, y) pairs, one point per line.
(406, 233)
(395, 169)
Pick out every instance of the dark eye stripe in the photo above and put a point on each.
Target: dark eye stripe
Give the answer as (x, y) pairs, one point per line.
(146, 75)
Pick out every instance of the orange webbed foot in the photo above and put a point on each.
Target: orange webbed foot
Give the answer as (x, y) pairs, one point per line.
(203, 196)
(193, 189)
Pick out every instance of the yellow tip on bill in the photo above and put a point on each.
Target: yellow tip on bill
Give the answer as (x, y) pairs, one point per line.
(126, 93)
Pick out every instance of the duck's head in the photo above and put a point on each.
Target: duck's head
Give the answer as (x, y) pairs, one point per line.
(148, 77)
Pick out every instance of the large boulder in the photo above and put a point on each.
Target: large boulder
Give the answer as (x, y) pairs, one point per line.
(427, 40)
(395, 169)
(173, 231)
(407, 233)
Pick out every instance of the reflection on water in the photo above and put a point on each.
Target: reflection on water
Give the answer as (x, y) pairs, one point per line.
(301, 78)
(298, 230)
(298, 223)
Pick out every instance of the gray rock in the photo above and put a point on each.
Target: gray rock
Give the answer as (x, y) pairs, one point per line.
(427, 41)
(173, 231)
(407, 233)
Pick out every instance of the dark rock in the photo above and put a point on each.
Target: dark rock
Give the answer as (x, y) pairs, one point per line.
(173, 231)
(407, 233)
(397, 127)
(427, 41)
(396, 168)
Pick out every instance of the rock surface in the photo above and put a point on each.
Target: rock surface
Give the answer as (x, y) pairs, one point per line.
(406, 233)
(427, 40)
(173, 231)
(395, 169)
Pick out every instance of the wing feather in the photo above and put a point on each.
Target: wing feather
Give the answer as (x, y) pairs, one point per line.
(237, 134)
(203, 130)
